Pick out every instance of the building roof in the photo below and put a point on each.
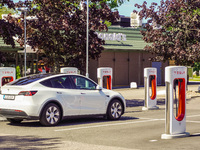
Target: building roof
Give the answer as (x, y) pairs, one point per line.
(133, 40)
(8, 48)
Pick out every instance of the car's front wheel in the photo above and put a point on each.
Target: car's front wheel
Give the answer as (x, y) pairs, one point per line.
(51, 115)
(115, 110)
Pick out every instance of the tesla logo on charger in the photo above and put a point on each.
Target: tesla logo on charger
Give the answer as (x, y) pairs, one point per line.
(7, 72)
(179, 72)
(152, 71)
(71, 72)
(106, 72)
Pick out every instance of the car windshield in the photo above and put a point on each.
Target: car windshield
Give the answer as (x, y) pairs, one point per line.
(29, 79)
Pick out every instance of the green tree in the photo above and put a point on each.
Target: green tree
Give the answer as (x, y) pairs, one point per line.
(115, 3)
(18, 74)
(8, 29)
(178, 37)
(6, 10)
(60, 29)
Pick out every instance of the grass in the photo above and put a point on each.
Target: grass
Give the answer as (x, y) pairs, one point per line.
(195, 78)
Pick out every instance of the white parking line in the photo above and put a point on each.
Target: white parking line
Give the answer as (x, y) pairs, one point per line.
(151, 118)
(193, 121)
(195, 134)
(153, 140)
(106, 125)
(193, 116)
(123, 123)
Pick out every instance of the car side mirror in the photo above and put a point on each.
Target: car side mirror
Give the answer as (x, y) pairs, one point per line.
(98, 87)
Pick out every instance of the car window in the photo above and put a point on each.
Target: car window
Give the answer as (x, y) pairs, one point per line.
(83, 83)
(58, 82)
(29, 79)
(46, 83)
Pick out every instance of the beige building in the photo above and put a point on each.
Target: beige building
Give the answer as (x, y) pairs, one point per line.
(124, 53)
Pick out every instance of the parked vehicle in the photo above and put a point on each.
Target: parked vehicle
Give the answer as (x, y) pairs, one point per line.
(54, 97)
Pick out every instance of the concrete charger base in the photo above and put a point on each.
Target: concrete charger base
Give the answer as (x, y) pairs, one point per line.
(173, 136)
(150, 108)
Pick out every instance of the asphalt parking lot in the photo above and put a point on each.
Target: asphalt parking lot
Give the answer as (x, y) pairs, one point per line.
(137, 129)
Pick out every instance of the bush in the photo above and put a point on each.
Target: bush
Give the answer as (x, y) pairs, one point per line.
(18, 74)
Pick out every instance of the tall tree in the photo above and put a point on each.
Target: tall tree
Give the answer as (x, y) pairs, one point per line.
(60, 29)
(8, 29)
(178, 37)
(6, 10)
(115, 3)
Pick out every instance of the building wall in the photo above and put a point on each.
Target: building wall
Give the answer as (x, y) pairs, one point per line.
(128, 66)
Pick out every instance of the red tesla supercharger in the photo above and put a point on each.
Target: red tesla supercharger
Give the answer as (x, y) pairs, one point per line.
(7, 74)
(150, 84)
(175, 111)
(107, 73)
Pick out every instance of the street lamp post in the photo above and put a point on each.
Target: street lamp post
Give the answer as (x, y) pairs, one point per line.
(87, 42)
(22, 9)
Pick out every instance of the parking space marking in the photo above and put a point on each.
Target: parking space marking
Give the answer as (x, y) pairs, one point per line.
(123, 123)
(153, 140)
(193, 116)
(150, 118)
(196, 134)
(193, 121)
(107, 125)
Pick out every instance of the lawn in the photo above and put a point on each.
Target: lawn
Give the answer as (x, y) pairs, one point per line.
(195, 78)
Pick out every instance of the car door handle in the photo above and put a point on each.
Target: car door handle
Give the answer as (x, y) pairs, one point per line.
(83, 93)
(59, 92)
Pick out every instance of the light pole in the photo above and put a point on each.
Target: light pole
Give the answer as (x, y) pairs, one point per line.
(87, 42)
(22, 9)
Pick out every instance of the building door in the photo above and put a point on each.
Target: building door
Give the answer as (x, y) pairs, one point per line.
(158, 65)
(121, 73)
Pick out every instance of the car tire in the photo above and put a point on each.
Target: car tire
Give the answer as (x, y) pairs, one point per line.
(51, 115)
(115, 110)
(14, 120)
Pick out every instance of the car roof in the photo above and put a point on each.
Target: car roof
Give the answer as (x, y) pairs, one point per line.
(29, 79)
(38, 78)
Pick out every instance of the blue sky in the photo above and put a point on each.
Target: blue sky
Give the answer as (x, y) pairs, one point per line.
(126, 8)
(17, 0)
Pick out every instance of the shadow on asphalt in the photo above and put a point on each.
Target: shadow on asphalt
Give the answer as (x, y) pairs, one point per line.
(12, 142)
(161, 101)
(92, 120)
(195, 135)
(139, 102)
(72, 121)
(26, 123)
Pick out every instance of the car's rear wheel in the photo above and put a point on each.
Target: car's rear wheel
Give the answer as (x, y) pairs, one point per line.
(51, 115)
(14, 120)
(115, 110)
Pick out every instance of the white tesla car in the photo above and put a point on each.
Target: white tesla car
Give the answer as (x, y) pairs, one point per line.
(54, 97)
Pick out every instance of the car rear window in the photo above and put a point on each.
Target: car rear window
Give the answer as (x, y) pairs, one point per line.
(58, 82)
(29, 79)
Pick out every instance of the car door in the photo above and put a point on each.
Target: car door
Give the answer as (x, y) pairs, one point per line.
(64, 93)
(92, 101)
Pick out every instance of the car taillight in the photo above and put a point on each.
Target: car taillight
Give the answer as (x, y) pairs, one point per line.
(27, 93)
